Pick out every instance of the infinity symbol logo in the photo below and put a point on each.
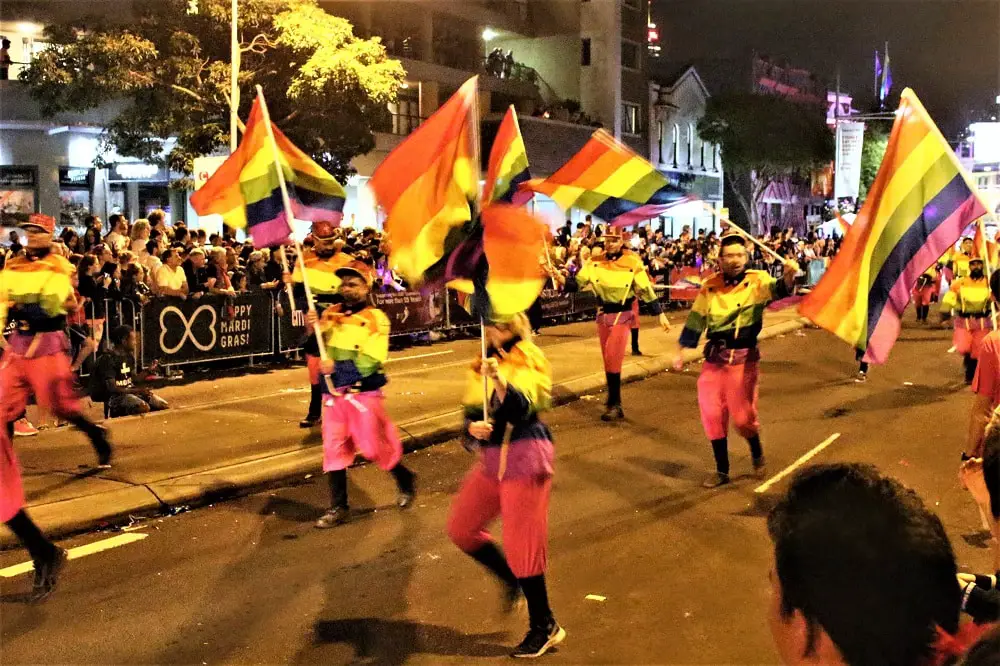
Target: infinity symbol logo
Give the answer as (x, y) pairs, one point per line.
(188, 333)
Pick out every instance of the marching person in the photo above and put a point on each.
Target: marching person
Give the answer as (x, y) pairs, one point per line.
(730, 310)
(321, 264)
(924, 291)
(48, 558)
(354, 418)
(36, 292)
(512, 478)
(617, 278)
(968, 301)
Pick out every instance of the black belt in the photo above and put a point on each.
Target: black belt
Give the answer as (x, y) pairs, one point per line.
(982, 315)
(731, 343)
(51, 325)
(617, 306)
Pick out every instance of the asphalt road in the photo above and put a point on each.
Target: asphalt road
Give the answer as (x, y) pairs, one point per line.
(683, 570)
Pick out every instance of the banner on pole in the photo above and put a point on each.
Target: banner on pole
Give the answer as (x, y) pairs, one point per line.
(850, 141)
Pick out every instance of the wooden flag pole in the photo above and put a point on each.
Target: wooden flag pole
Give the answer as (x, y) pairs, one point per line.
(476, 170)
(737, 229)
(290, 216)
(989, 269)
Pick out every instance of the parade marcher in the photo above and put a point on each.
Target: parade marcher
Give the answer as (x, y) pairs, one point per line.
(968, 301)
(47, 557)
(321, 264)
(924, 291)
(956, 265)
(730, 310)
(512, 478)
(634, 326)
(617, 278)
(354, 418)
(35, 293)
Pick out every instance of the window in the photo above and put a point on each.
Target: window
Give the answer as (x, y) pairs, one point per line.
(984, 182)
(585, 52)
(630, 55)
(659, 142)
(691, 143)
(631, 118)
(676, 141)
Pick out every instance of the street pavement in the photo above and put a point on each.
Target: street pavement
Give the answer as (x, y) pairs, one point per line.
(681, 573)
(227, 435)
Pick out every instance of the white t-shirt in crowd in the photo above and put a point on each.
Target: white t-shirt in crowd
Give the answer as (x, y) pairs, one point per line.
(139, 246)
(152, 264)
(170, 278)
(117, 241)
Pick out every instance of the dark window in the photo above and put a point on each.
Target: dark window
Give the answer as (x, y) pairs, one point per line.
(630, 55)
(585, 52)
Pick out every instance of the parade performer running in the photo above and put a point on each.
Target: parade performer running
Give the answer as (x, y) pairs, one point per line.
(35, 293)
(730, 310)
(354, 418)
(617, 278)
(969, 301)
(321, 265)
(48, 557)
(512, 479)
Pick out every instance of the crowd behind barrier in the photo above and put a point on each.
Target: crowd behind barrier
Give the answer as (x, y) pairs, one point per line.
(197, 298)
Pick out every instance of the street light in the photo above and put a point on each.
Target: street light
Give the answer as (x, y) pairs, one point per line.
(490, 34)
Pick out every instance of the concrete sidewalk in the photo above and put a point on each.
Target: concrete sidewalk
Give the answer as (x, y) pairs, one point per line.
(231, 436)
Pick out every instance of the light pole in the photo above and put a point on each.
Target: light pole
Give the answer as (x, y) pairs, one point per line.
(234, 83)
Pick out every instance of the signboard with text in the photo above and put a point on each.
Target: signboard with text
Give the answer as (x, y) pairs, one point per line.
(847, 178)
(137, 172)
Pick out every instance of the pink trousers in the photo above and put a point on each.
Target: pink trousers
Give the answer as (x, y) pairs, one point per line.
(969, 335)
(358, 424)
(728, 390)
(11, 490)
(635, 314)
(523, 506)
(613, 331)
(48, 377)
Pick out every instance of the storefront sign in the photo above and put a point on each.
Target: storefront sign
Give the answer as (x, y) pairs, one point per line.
(127, 172)
(18, 177)
(206, 329)
(75, 177)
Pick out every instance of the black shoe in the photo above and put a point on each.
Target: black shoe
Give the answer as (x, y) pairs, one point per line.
(47, 575)
(760, 468)
(405, 499)
(539, 641)
(333, 518)
(103, 448)
(613, 413)
(636, 352)
(715, 480)
(308, 422)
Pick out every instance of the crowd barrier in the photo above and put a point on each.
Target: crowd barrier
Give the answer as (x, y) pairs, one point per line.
(175, 331)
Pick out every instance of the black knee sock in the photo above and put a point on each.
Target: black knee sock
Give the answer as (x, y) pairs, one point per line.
(97, 435)
(403, 477)
(614, 389)
(338, 488)
(315, 402)
(635, 339)
(10, 429)
(863, 367)
(491, 557)
(756, 450)
(39, 547)
(538, 601)
(970, 368)
(720, 449)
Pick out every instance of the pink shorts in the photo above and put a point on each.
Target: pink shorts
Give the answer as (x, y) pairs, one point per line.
(359, 424)
(613, 331)
(523, 506)
(728, 390)
(48, 377)
(969, 334)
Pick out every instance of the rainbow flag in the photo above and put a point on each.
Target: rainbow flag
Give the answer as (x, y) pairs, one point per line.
(984, 248)
(427, 187)
(917, 208)
(611, 181)
(514, 244)
(246, 193)
(508, 165)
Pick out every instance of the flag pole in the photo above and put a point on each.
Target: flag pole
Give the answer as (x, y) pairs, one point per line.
(234, 81)
(290, 216)
(477, 170)
(735, 227)
(989, 269)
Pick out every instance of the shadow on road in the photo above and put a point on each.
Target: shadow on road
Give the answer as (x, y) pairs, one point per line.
(379, 641)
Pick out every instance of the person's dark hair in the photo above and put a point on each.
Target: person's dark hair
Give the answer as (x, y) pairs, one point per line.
(155, 217)
(862, 557)
(86, 262)
(995, 284)
(151, 245)
(732, 239)
(119, 334)
(113, 220)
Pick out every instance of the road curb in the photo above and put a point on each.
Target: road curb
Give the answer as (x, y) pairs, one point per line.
(119, 506)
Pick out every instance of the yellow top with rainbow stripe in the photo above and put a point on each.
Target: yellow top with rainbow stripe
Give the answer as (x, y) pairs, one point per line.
(358, 344)
(36, 292)
(615, 280)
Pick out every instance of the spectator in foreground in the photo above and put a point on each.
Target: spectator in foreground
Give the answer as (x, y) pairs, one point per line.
(114, 379)
(863, 572)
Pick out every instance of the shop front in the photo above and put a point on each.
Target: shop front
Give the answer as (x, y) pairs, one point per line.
(18, 194)
(135, 189)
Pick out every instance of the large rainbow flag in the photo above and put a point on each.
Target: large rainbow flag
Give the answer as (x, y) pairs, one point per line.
(246, 193)
(917, 208)
(508, 165)
(427, 186)
(611, 181)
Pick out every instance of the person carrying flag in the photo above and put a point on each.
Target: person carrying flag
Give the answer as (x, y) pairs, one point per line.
(617, 278)
(513, 476)
(36, 292)
(321, 265)
(729, 309)
(354, 418)
(968, 301)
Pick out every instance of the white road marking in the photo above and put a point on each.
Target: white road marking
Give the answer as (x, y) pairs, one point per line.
(78, 552)
(763, 488)
(410, 358)
(951, 350)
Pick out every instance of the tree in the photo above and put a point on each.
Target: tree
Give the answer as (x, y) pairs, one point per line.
(169, 69)
(872, 152)
(764, 138)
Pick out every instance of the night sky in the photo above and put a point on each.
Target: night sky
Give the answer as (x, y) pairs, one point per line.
(946, 50)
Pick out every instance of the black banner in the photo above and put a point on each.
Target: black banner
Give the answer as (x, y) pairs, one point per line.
(18, 177)
(584, 301)
(556, 303)
(411, 311)
(291, 323)
(206, 328)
